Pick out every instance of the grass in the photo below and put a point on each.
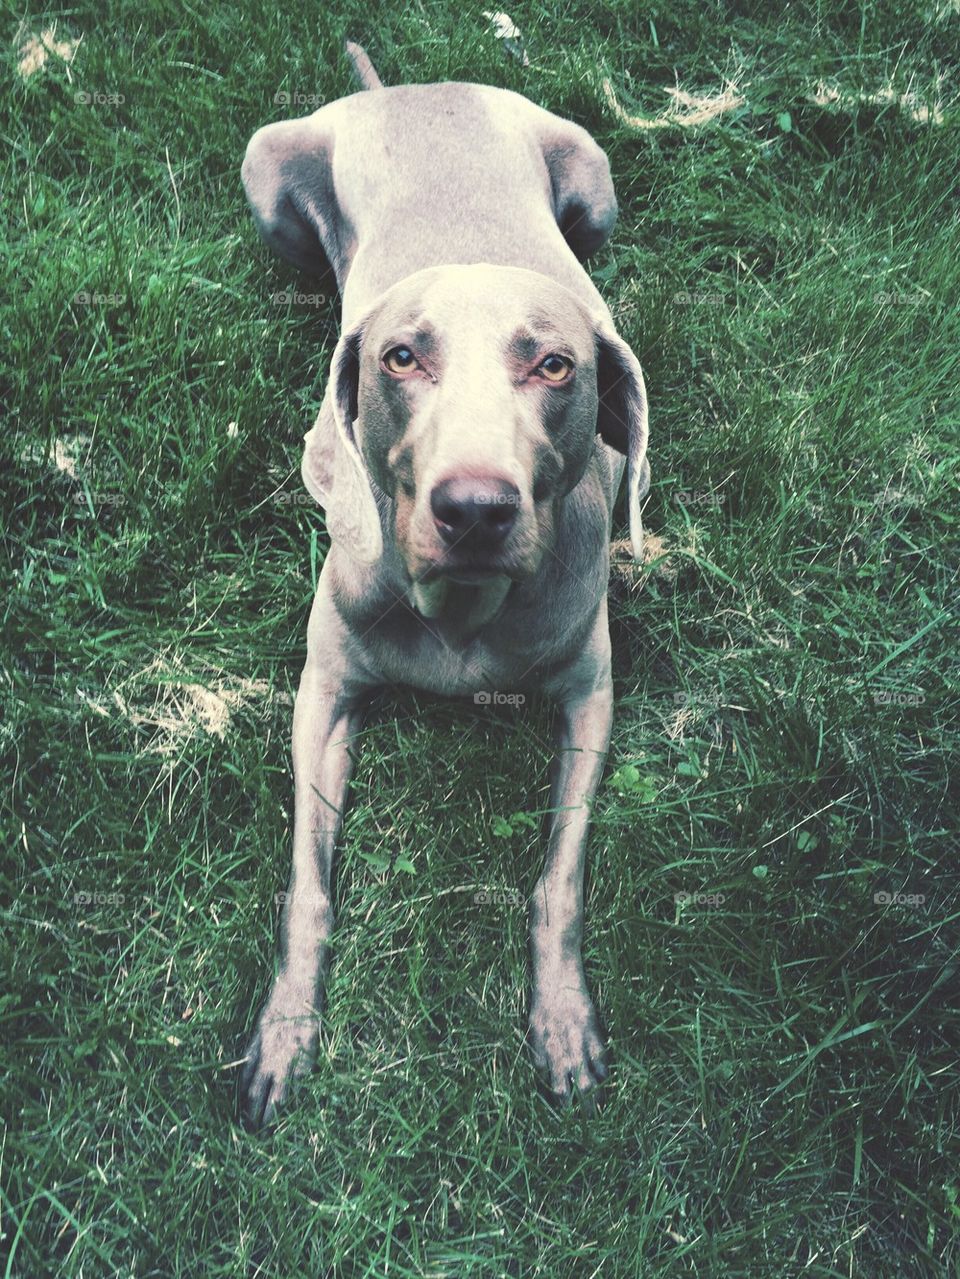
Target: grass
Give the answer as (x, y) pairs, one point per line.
(785, 1091)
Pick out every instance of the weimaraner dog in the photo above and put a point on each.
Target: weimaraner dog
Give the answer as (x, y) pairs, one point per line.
(467, 456)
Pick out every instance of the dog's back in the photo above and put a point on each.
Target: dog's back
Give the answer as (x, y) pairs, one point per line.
(450, 173)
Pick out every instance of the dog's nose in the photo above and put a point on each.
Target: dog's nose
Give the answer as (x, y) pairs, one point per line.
(474, 512)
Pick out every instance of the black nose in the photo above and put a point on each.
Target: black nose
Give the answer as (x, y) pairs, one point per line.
(474, 512)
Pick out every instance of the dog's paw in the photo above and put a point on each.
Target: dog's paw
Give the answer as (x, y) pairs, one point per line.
(568, 1046)
(283, 1048)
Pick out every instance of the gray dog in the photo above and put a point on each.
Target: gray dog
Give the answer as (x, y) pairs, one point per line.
(467, 456)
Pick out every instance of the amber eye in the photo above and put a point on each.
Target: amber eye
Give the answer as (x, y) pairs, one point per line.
(400, 359)
(555, 368)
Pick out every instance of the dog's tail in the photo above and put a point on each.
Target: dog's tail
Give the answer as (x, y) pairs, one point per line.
(363, 68)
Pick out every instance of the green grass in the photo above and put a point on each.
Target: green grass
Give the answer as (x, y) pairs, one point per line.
(784, 1099)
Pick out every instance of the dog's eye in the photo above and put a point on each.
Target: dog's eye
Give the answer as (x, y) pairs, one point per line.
(400, 359)
(555, 368)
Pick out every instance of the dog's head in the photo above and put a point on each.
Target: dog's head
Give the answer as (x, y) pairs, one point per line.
(472, 397)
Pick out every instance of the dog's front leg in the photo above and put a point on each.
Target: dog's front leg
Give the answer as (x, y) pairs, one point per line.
(565, 1035)
(327, 714)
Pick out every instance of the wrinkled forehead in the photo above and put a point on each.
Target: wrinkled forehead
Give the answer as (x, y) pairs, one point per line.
(508, 312)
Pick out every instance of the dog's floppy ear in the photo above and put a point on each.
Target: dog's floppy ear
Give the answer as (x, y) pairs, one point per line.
(584, 203)
(622, 418)
(333, 469)
(287, 175)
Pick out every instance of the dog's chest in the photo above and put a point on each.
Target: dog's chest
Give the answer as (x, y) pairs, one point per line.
(508, 655)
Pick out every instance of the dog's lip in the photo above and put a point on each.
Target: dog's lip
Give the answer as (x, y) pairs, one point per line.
(466, 574)
(472, 577)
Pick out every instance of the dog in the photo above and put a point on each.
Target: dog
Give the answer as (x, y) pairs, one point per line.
(478, 417)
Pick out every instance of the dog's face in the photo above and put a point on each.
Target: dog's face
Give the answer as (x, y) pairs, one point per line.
(472, 396)
(477, 410)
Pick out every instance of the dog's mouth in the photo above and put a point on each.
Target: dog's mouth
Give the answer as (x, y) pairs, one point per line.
(468, 595)
(463, 564)
(476, 577)
(469, 572)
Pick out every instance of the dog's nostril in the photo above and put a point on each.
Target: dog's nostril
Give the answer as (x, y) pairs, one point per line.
(475, 510)
(502, 516)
